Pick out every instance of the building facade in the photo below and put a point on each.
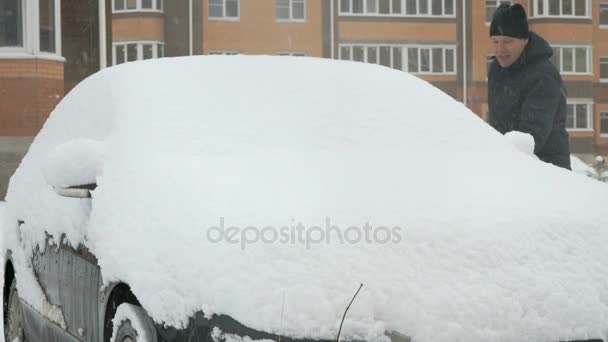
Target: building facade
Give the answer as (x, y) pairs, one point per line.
(48, 46)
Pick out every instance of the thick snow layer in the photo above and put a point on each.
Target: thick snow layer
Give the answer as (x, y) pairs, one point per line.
(136, 317)
(471, 240)
(522, 141)
(580, 167)
(76, 162)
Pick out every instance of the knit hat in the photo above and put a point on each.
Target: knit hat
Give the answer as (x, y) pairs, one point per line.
(510, 21)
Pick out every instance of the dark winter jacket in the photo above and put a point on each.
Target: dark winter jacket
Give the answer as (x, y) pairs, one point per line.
(529, 97)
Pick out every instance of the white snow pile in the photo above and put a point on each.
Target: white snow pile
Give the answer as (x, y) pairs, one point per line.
(522, 141)
(269, 188)
(135, 316)
(76, 162)
(580, 167)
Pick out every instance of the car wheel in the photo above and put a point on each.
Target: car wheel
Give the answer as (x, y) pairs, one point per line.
(13, 331)
(132, 324)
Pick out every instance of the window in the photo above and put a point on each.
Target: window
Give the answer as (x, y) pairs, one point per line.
(291, 9)
(47, 25)
(133, 51)
(578, 115)
(604, 124)
(137, 5)
(435, 8)
(297, 54)
(413, 59)
(11, 23)
(572, 59)
(604, 13)
(561, 8)
(225, 53)
(491, 6)
(604, 69)
(224, 9)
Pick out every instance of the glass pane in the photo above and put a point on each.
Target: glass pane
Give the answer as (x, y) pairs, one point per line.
(358, 54)
(604, 14)
(371, 6)
(581, 116)
(424, 7)
(397, 58)
(555, 58)
(345, 53)
(47, 25)
(410, 7)
(216, 9)
(604, 123)
(567, 7)
(397, 6)
(436, 4)
(161, 51)
(581, 59)
(148, 51)
(282, 9)
(159, 4)
(11, 25)
(570, 116)
(119, 4)
(120, 54)
(345, 5)
(580, 7)
(490, 9)
(298, 9)
(131, 4)
(147, 4)
(385, 56)
(541, 6)
(603, 67)
(553, 7)
(437, 60)
(567, 59)
(412, 59)
(425, 60)
(232, 8)
(357, 6)
(384, 7)
(131, 52)
(371, 55)
(449, 60)
(449, 7)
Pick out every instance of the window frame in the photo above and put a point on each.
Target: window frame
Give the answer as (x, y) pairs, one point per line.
(291, 18)
(224, 17)
(405, 57)
(589, 57)
(401, 13)
(140, 49)
(24, 34)
(534, 12)
(605, 3)
(139, 8)
(577, 101)
(602, 80)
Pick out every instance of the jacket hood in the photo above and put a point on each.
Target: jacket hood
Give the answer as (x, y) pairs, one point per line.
(537, 48)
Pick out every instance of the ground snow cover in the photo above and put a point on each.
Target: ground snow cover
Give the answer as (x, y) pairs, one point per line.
(230, 185)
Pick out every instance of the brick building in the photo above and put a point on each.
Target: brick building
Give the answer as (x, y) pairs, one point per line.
(48, 46)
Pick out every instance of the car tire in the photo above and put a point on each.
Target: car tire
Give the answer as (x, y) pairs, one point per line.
(132, 324)
(13, 330)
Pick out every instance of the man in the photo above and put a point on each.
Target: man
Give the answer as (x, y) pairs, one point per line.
(525, 90)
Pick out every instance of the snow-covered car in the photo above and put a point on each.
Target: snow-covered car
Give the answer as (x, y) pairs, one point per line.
(231, 198)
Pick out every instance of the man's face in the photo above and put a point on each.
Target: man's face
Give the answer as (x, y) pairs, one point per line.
(508, 49)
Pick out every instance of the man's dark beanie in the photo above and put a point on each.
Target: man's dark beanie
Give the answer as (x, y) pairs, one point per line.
(510, 21)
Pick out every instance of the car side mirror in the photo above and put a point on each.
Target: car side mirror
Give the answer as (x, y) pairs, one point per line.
(73, 167)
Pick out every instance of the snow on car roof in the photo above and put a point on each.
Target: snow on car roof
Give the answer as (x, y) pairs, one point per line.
(455, 234)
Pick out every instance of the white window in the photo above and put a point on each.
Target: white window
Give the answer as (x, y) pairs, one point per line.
(427, 59)
(561, 8)
(224, 9)
(603, 69)
(426, 8)
(579, 114)
(604, 13)
(491, 6)
(11, 23)
(225, 53)
(604, 124)
(297, 54)
(572, 60)
(291, 9)
(135, 51)
(137, 6)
